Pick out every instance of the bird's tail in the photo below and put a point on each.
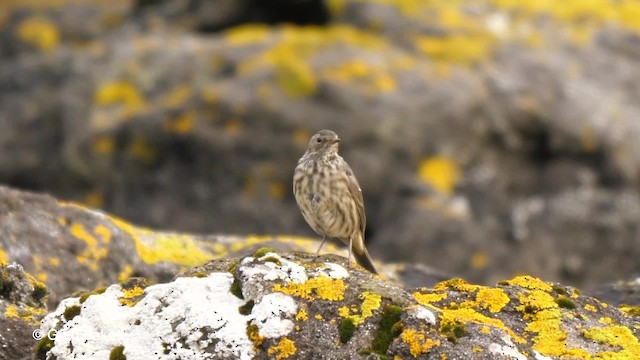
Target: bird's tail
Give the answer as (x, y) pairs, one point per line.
(364, 260)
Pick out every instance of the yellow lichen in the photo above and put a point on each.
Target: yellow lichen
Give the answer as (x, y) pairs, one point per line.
(119, 92)
(426, 299)
(591, 308)
(28, 314)
(39, 32)
(451, 317)
(322, 287)
(456, 284)
(492, 299)
(181, 124)
(284, 349)
(302, 315)
(417, 341)
(96, 244)
(370, 303)
(130, 297)
(529, 282)
(247, 34)
(125, 273)
(620, 337)
(440, 172)
(4, 259)
(154, 247)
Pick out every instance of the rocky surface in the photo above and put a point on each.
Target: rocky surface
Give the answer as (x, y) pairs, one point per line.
(283, 306)
(490, 138)
(22, 306)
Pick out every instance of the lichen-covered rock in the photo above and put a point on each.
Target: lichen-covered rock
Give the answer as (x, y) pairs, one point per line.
(279, 306)
(22, 306)
(490, 138)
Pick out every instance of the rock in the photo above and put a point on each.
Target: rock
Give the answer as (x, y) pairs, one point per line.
(273, 305)
(22, 306)
(489, 137)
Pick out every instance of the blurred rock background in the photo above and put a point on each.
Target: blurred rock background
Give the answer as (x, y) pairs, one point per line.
(491, 138)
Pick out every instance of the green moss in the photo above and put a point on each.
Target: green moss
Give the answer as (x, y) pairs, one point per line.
(453, 330)
(234, 266)
(117, 353)
(236, 289)
(346, 329)
(200, 274)
(388, 329)
(246, 308)
(71, 312)
(86, 295)
(6, 287)
(39, 292)
(262, 251)
(42, 347)
(272, 259)
(565, 302)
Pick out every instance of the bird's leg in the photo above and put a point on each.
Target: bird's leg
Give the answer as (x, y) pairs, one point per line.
(324, 238)
(350, 245)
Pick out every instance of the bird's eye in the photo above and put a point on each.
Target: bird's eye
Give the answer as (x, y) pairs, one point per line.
(318, 140)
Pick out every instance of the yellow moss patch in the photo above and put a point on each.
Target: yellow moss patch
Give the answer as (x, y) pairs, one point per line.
(181, 124)
(54, 261)
(97, 244)
(534, 301)
(492, 299)
(370, 303)
(247, 34)
(452, 318)
(417, 341)
(456, 284)
(4, 259)
(119, 92)
(439, 172)
(39, 32)
(529, 282)
(591, 308)
(318, 317)
(302, 315)
(426, 299)
(615, 336)
(284, 349)
(321, 287)
(28, 314)
(131, 297)
(125, 274)
(295, 76)
(154, 247)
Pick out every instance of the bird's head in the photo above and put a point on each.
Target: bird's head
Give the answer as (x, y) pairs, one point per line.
(324, 141)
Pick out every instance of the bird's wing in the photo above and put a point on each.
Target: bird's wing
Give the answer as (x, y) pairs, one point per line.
(354, 188)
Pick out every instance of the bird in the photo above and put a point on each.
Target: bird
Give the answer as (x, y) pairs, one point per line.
(330, 198)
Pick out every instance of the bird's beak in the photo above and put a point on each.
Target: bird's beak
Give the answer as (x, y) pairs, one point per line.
(335, 141)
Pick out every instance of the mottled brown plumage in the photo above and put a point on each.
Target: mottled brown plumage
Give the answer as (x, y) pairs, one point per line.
(329, 196)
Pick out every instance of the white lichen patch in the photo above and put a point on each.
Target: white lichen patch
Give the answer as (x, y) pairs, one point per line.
(331, 270)
(421, 312)
(509, 349)
(273, 314)
(271, 267)
(189, 318)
